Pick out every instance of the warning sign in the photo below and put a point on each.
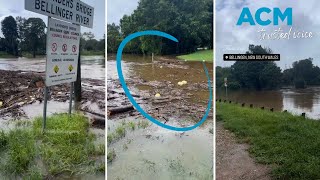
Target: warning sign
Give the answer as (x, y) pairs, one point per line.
(54, 47)
(74, 48)
(64, 47)
(56, 69)
(70, 68)
(62, 61)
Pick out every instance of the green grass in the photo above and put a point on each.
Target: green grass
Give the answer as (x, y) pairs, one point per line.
(111, 155)
(143, 124)
(289, 144)
(132, 125)
(6, 55)
(121, 131)
(21, 151)
(206, 55)
(92, 53)
(66, 147)
(30, 55)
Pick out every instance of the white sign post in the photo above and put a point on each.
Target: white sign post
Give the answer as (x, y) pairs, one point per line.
(63, 40)
(226, 85)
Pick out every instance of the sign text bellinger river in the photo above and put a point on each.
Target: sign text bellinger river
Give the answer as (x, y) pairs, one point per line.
(130, 97)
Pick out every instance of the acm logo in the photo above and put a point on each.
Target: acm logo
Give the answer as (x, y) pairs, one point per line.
(246, 16)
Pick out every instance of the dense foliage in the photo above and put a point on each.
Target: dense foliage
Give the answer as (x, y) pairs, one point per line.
(267, 75)
(23, 35)
(190, 21)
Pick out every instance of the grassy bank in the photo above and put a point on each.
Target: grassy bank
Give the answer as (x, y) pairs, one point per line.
(92, 53)
(5, 55)
(66, 148)
(198, 56)
(289, 144)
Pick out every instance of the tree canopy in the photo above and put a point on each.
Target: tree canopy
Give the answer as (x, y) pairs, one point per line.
(190, 21)
(29, 35)
(10, 31)
(267, 75)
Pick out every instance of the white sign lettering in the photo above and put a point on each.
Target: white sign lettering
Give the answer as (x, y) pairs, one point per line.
(73, 11)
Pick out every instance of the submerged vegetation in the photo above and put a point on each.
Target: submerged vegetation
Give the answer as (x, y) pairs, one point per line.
(121, 130)
(66, 147)
(288, 143)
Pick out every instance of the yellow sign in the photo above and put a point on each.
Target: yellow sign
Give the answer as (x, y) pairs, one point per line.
(70, 68)
(56, 69)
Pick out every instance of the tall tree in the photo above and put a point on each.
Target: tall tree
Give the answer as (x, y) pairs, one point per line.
(88, 36)
(190, 21)
(113, 38)
(257, 74)
(34, 34)
(10, 32)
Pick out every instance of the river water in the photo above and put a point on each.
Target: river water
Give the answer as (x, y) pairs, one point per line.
(92, 67)
(295, 101)
(154, 152)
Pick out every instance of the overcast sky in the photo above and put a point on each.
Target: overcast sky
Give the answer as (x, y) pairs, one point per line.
(235, 39)
(118, 8)
(16, 8)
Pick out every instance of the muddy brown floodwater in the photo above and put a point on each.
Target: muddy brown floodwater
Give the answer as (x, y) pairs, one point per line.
(21, 93)
(153, 152)
(21, 88)
(293, 100)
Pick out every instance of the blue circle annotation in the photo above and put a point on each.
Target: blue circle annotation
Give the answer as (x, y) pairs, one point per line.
(130, 97)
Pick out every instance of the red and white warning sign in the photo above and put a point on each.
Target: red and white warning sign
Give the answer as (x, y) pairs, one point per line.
(61, 37)
(64, 48)
(74, 48)
(54, 47)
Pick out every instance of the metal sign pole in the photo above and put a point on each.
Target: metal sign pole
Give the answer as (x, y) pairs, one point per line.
(45, 108)
(71, 97)
(226, 85)
(226, 92)
(45, 98)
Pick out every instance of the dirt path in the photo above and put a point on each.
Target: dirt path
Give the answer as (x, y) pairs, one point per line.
(233, 160)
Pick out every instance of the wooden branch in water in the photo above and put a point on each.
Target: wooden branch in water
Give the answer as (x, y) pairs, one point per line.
(98, 122)
(94, 113)
(118, 110)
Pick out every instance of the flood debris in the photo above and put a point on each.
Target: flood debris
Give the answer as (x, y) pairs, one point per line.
(21, 88)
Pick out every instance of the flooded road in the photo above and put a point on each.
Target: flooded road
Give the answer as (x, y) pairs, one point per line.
(295, 101)
(151, 152)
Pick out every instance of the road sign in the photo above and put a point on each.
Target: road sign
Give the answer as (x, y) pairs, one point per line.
(54, 47)
(62, 62)
(73, 11)
(74, 48)
(64, 47)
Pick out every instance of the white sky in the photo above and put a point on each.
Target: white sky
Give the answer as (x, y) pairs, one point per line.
(118, 8)
(235, 39)
(16, 8)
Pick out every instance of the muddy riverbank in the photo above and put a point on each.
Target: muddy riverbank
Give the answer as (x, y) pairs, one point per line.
(233, 159)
